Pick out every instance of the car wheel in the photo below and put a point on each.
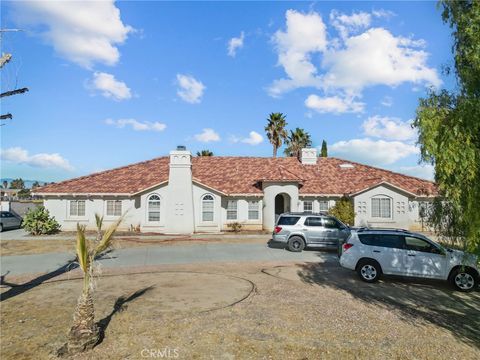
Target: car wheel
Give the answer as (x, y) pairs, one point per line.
(369, 271)
(296, 244)
(464, 280)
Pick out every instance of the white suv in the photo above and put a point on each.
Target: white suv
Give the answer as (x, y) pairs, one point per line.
(399, 252)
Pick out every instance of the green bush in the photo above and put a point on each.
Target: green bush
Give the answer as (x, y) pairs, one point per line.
(235, 226)
(38, 221)
(343, 211)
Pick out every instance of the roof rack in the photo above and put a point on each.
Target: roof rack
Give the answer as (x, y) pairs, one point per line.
(381, 229)
(306, 213)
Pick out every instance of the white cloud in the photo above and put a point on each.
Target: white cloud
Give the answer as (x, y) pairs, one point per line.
(253, 138)
(235, 43)
(137, 125)
(387, 101)
(422, 171)
(109, 86)
(207, 135)
(376, 57)
(375, 152)
(345, 24)
(190, 89)
(390, 128)
(18, 155)
(85, 32)
(305, 34)
(334, 104)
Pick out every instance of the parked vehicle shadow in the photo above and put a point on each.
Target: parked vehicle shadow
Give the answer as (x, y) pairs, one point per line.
(119, 306)
(18, 289)
(430, 301)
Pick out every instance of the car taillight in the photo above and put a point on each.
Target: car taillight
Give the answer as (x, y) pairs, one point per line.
(346, 246)
(277, 229)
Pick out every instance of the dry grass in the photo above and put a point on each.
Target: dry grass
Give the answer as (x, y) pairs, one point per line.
(305, 311)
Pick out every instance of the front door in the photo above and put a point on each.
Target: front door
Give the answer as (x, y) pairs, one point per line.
(424, 259)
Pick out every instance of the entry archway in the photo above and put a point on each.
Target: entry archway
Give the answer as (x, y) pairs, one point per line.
(282, 204)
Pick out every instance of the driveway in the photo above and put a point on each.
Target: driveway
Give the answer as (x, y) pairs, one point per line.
(163, 255)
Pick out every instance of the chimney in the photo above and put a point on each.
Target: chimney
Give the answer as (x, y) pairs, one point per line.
(309, 156)
(179, 216)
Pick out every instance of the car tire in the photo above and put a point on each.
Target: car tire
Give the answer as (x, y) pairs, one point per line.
(464, 280)
(369, 270)
(296, 244)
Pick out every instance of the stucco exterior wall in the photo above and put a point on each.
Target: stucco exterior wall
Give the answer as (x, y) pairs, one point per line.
(316, 202)
(272, 189)
(242, 213)
(404, 212)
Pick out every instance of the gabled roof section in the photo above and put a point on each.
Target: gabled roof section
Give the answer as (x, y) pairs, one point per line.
(243, 175)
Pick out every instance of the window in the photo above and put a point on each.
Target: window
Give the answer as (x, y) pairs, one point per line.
(288, 220)
(313, 221)
(154, 208)
(232, 210)
(77, 207)
(382, 207)
(253, 211)
(416, 244)
(330, 223)
(207, 207)
(308, 206)
(114, 207)
(388, 241)
(323, 205)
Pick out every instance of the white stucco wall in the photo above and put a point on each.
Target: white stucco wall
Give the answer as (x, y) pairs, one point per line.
(206, 226)
(404, 209)
(242, 213)
(315, 202)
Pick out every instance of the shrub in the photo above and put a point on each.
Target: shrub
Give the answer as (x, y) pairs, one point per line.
(235, 226)
(343, 210)
(38, 221)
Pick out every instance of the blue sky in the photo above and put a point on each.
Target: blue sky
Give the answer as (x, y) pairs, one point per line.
(113, 83)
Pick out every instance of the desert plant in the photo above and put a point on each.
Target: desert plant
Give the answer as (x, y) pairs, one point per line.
(343, 210)
(235, 226)
(37, 221)
(85, 333)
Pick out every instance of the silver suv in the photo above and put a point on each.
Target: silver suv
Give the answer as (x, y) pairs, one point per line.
(300, 230)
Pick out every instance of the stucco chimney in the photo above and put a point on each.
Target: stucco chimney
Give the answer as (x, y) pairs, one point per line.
(179, 216)
(309, 156)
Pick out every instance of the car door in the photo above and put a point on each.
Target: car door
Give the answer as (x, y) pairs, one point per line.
(314, 230)
(332, 231)
(424, 259)
(389, 251)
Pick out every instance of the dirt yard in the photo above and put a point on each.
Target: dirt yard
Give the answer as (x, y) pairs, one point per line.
(247, 311)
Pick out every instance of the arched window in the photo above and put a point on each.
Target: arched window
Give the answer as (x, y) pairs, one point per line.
(207, 207)
(381, 207)
(154, 208)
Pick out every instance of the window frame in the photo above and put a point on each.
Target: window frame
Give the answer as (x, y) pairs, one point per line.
(114, 215)
(159, 211)
(232, 212)
(320, 202)
(203, 202)
(311, 206)
(76, 216)
(380, 214)
(251, 210)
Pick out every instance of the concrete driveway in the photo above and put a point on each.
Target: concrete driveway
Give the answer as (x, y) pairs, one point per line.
(162, 255)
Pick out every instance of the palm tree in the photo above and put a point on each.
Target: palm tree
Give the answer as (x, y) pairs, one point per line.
(204, 153)
(275, 130)
(297, 140)
(85, 333)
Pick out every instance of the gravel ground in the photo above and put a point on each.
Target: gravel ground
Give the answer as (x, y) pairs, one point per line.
(296, 311)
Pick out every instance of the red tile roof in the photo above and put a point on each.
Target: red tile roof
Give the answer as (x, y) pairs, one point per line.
(243, 175)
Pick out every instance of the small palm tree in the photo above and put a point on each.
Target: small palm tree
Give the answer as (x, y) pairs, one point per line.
(85, 333)
(204, 153)
(275, 130)
(297, 140)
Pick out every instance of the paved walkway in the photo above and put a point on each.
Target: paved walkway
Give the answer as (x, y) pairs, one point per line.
(161, 255)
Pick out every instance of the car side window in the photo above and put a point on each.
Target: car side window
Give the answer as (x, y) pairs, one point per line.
(313, 221)
(382, 240)
(330, 223)
(416, 244)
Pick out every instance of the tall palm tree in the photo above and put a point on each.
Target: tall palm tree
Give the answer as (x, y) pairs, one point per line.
(275, 130)
(204, 153)
(297, 140)
(85, 333)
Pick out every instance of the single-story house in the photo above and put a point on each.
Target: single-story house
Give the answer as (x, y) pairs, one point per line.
(185, 194)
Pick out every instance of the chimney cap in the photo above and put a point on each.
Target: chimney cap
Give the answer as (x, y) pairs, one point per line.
(181, 147)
